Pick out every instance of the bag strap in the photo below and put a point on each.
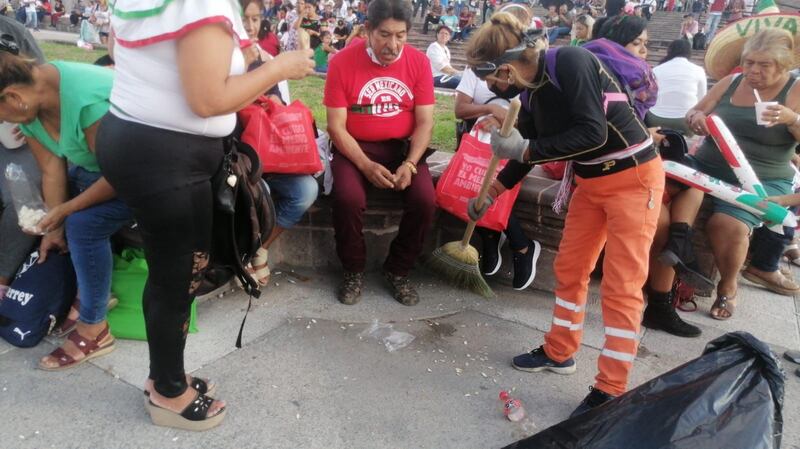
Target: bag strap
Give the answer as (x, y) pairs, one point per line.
(550, 65)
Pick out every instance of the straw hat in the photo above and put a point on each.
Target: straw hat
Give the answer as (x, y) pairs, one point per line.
(725, 51)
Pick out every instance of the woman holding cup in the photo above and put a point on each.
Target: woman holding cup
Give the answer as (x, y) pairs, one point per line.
(768, 140)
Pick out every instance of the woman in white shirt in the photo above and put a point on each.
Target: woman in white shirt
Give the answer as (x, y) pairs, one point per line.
(475, 103)
(180, 78)
(444, 75)
(681, 85)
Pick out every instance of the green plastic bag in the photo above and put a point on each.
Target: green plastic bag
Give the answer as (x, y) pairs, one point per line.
(127, 283)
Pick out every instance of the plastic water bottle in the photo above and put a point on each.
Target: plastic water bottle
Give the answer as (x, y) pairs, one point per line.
(512, 408)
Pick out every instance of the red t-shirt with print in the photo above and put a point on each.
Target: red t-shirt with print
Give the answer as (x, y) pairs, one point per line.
(717, 6)
(380, 100)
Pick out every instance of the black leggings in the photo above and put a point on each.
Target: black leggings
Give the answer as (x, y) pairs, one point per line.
(165, 178)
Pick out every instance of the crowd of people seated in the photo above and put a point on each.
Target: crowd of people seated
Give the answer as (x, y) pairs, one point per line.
(142, 142)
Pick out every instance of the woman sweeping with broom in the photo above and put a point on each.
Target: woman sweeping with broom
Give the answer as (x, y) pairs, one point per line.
(574, 109)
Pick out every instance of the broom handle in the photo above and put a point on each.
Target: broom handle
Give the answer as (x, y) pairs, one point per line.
(508, 124)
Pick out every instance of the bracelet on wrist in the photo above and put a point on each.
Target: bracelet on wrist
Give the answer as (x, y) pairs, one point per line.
(411, 167)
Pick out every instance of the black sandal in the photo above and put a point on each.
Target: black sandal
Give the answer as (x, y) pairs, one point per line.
(194, 417)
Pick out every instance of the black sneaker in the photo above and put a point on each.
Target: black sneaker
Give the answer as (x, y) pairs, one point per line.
(491, 259)
(525, 265)
(402, 290)
(350, 290)
(595, 398)
(537, 360)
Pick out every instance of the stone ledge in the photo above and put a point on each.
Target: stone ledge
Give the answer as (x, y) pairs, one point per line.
(311, 243)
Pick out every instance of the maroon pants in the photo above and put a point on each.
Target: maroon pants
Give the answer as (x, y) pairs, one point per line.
(350, 201)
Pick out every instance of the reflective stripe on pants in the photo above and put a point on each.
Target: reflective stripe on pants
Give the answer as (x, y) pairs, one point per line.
(613, 211)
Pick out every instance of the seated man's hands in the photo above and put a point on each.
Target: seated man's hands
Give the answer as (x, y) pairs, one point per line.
(512, 146)
(402, 177)
(379, 176)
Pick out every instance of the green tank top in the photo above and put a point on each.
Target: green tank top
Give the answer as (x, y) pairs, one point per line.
(84, 90)
(769, 150)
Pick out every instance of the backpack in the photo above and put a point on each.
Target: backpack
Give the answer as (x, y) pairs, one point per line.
(634, 75)
(37, 298)
(244, 216)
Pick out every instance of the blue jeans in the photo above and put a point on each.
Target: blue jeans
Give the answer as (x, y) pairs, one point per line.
(88, 237)
(555, 32)
(711, 25)
(446, 81)
(295, 194)
(766, 248)
(464, 33)
(31, 20)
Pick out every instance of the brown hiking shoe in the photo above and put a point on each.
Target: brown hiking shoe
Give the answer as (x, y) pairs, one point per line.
(350, 290)
(402, 290)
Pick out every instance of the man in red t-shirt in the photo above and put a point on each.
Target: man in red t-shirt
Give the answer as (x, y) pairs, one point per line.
(379, 98)
(714, 16)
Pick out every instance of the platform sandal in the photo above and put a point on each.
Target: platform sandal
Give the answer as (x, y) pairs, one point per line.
(194, 417)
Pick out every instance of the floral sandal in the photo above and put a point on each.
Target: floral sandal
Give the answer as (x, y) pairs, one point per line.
(724, 307)
(194, 417)
(90, 348)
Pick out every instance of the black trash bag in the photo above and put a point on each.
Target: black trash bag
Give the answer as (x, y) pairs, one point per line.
(730, 397)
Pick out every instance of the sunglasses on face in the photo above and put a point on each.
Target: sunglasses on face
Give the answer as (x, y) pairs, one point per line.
(7, 44)
(490, 67)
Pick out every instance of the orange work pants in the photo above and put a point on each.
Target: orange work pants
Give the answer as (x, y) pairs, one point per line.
(619, 211)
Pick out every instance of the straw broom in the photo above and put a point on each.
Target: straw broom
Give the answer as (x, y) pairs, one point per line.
(457, 262)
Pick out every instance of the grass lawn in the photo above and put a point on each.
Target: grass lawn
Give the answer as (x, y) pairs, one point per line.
(309, 91)
(55, 51)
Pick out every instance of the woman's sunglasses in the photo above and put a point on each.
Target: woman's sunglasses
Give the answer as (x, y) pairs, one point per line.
(490, 67)
(512, 54)
(7, 44)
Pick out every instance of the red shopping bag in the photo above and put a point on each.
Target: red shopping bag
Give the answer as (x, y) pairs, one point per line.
(462, 179)
(283, 136)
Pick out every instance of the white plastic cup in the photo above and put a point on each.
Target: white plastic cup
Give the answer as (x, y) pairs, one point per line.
(762, 106)
(7, 137)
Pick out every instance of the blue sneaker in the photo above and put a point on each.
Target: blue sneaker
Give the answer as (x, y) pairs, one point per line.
(537, 360)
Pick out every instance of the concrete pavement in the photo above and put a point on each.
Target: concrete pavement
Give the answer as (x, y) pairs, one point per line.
(305, 379)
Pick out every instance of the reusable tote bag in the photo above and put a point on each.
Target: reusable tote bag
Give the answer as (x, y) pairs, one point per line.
(127, 283)
(283, 136)
(462, 179)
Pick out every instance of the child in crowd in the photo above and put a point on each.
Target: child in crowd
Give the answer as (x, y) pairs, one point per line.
(323, 52)
(582, 30)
